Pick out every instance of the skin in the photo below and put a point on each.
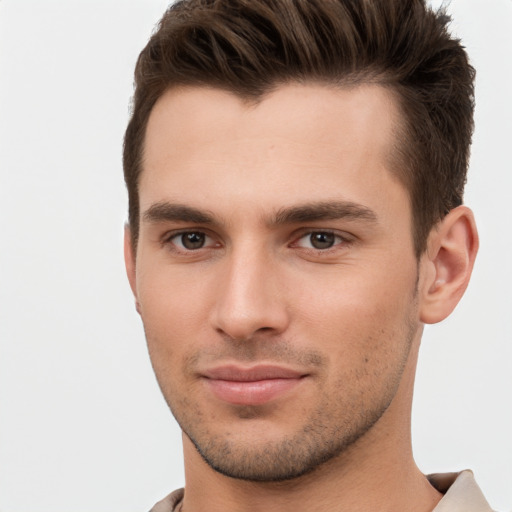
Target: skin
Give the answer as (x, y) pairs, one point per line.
(299, 255)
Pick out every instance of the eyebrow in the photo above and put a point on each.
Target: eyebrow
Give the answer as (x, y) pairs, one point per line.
(309, 212)
(330, 210)
(160, 212)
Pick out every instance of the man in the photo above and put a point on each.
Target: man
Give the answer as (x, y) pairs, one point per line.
(295, 173)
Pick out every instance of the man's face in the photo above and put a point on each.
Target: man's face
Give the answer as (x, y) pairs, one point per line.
(275, 272)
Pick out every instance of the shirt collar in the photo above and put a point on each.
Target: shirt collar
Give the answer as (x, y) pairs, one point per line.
(461, 493)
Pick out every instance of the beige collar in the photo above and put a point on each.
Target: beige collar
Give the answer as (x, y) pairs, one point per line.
(461, 492)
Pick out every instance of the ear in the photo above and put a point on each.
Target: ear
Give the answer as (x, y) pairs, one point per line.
(129, 261)
(447, 264)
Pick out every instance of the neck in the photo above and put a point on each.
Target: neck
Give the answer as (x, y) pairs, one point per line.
(377, 472)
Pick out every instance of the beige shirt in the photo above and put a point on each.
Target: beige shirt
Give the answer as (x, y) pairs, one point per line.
(461, 494)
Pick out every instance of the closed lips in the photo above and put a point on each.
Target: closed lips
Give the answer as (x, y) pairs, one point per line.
(251, 386)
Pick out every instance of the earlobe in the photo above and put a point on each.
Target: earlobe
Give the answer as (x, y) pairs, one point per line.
(450, 256)
(129, 260)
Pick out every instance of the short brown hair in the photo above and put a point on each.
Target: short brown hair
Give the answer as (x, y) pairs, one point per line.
(249, 47)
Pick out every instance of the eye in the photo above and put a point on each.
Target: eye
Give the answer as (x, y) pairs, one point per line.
(319, 240)
(191, 240)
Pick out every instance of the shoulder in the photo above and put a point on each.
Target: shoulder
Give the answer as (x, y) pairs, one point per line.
(169, 503)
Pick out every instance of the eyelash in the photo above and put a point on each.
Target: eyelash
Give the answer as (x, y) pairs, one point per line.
(339, 240)
(169, 240)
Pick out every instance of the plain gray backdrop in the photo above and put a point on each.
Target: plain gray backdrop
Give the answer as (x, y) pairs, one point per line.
(83, 427)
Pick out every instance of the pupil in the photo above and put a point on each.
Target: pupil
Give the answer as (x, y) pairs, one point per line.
(322, 240)
(192, 240)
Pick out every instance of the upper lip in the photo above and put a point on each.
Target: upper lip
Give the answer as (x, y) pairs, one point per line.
(251, 374)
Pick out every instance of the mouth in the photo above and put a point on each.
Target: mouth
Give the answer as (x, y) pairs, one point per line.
(256, 385)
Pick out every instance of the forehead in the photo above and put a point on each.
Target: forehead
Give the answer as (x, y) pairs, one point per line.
(296, 143)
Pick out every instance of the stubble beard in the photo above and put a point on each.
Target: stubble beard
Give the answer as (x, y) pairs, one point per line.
(336, 423)
(286, 459)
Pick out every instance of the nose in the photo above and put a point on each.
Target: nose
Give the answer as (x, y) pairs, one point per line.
(250, 297)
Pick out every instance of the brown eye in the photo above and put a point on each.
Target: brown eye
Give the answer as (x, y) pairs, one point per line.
(193, 240)
(322, 240)
(186, 242)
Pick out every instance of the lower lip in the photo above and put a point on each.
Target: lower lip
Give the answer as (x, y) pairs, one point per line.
(251, 393)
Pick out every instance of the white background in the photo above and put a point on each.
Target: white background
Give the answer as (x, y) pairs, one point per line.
(82, 425)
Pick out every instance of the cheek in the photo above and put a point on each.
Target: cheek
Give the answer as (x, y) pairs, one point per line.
(355, 299)
(172, 315)
(359, 316)
(169, 339)
(172, 298)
